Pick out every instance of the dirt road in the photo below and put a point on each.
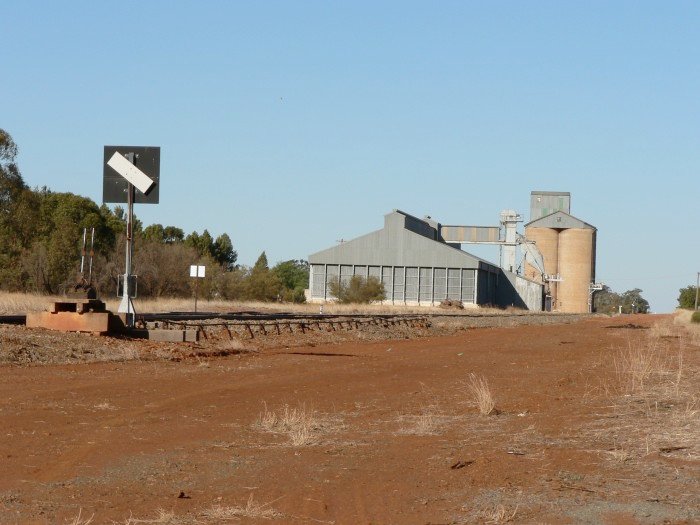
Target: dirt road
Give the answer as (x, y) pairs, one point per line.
(375, 432)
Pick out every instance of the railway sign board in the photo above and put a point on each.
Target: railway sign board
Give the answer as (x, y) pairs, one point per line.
(197, 270)
(143, 173)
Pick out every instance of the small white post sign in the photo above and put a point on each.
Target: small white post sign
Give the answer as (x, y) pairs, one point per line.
(196, 271)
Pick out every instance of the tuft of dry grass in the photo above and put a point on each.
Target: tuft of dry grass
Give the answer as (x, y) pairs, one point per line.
(252, 509)
(427, 423)
(301, 425)
(498, 514)
(480, 392)
(635, 365)
(163, 517)
(79, 520)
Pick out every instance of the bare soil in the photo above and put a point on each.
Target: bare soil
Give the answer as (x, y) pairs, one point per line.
(352, 427)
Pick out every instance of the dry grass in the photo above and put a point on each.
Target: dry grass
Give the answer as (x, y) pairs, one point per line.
(498, 514)
(479, 391)
(656, 398)
(302, 426)
(163, 517)
(427, 423)
(681, 319)
(252, 510)
(216, 514)
(636, 364)
(79, 520)
(20, 303)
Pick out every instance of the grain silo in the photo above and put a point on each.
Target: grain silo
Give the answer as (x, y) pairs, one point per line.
(568, 247)
(576, 268)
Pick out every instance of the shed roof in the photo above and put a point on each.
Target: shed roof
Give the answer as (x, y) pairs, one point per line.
(405, 240)
(559, 220)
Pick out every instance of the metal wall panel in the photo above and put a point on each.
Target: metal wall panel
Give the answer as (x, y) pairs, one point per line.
(440, 284)
(387, 281)
(332, 276)
(399, 283)
(468, 286)
(345, 274)
(318, 281)
(411, 283)
(453, 284)
(425, 293)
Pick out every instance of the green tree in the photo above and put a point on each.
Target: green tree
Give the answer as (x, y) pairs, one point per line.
(633, 302)
(357, 290)
(173, 234)
(63, 216)
(154, 232)
(233, 285)
(686, 299)
(606, 301)
(8, 148)
(294, 278)
(223, 252)
(262, 284)
(18, 216)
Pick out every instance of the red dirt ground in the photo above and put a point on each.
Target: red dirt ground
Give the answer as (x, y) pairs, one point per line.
(396, 436)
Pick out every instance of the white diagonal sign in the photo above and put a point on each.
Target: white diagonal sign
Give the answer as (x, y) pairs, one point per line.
(131, 173)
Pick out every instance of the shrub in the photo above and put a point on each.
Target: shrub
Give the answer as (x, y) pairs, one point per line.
(358, 290)
(695, 318)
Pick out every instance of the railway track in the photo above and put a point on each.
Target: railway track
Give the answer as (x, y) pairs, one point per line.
(216, 326)
(20, 319)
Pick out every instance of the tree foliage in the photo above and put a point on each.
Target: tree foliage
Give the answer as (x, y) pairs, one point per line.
(262, 284)
(293, 275)
(609, 302)
(357, 290)
(686, 298)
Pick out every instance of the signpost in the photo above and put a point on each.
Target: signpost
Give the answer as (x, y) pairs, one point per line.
(196, 271)
(131, 174)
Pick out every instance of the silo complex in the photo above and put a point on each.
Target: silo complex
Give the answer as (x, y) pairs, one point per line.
(568, 247)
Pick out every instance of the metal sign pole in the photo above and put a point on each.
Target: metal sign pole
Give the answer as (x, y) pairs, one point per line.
(196, 290)
(92, 254)
(126, 305)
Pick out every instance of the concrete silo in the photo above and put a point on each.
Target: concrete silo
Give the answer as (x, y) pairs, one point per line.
(568, 247)
(576, 268)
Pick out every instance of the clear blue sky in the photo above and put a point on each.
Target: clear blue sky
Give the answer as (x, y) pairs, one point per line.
(289, 125)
